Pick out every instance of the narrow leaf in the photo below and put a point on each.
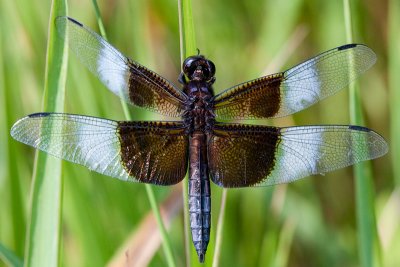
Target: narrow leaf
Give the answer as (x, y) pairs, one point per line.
(366, 220)
(46, 198)
(9, 257)
(394, 84)
(187, 48)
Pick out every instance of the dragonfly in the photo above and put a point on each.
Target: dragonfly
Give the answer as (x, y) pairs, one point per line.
(198, 139)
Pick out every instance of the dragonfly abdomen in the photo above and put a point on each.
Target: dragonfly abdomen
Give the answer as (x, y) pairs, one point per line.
(199, 193)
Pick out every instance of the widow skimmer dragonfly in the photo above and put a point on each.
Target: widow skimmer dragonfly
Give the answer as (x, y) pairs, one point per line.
(230, 154)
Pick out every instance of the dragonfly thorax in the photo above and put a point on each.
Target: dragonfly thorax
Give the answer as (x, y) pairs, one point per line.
(198, 115)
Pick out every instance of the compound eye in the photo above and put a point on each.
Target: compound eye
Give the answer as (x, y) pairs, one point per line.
(211, 68)
(208, 69)
(189, 66)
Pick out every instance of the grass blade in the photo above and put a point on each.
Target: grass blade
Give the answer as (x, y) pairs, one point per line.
(284, 243)
(187, 48)
(394, 85)
(99, 20)
(11, 188)
(220, 224)
(366, 220)
(9, 257)
(186, 29)
(43, 247)
(150, 193)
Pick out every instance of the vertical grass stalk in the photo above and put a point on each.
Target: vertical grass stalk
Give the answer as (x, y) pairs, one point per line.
(187, 48)
(8, 257)
(150, 194)
(366, 221)
(43, 244)
(9, 170)
(220, 224)
(394, 85)
(186, 29)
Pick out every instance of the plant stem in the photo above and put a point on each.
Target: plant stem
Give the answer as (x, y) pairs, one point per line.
(366, 223)
(187, 48)
(44, 234)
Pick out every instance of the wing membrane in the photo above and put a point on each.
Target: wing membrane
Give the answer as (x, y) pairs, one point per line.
(246, 155)
(127, 79)
(288, 92)
(149, 152)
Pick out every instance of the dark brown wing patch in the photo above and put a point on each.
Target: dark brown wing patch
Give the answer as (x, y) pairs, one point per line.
(241, 155)
(260, 98)
(154, 152)
(149, 90)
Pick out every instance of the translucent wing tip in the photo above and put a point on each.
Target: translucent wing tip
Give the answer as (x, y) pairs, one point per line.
(378, 145)
(15, 131)
(367, 54)
(22, 129)
(62, 22)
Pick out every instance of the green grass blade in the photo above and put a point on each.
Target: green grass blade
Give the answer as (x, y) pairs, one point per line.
(166, 243)
(187, 48)
(150, 193)
(366, 220)
(186, 29)
(43, 247)
(12, 214)
(394, 85)
(284, 243)
(9, 257)
(99, 20)
(220, 224)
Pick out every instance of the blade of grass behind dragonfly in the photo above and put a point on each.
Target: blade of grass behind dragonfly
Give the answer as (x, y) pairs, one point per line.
(9, 257)
(43, 244)
(12, 213)
(366, 220)
(187, 48)
(166, 243)
(394, 87)
(394, 84)
(186, 29)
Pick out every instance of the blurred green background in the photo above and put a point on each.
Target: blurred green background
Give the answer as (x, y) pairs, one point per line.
(308, 223)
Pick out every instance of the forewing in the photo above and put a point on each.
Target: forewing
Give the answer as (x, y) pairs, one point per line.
(148, 152)
(288, 92)
(127, 79)
(246, 155)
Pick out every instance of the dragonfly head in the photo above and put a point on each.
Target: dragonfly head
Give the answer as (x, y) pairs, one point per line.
(199, 68)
